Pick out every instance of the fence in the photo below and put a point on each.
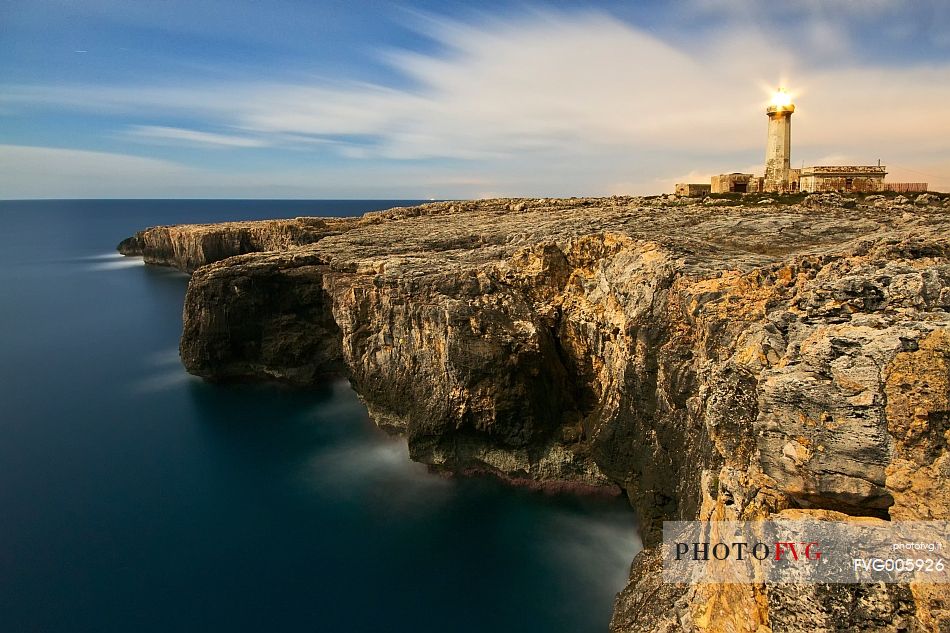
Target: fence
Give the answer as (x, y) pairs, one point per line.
(905, 187)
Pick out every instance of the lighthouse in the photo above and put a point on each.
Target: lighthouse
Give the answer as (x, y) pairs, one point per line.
(781, 178)
(778, 148)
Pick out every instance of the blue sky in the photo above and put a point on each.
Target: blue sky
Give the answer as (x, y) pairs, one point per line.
(364, 99)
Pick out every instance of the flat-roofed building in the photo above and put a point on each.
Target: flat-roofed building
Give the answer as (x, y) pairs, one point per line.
(731, 183)
(843, 178)
(691, 190)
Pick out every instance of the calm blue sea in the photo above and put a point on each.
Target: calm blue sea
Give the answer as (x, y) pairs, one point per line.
(135, 498)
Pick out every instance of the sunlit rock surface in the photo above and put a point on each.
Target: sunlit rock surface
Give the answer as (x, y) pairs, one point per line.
(187, 247)
(713, 361)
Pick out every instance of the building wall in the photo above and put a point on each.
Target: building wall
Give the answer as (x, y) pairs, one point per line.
(794, 179)
(842, 183)
(691, 190)
(731, 183)
(843, 178)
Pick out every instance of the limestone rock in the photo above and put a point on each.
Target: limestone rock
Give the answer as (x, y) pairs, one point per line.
(717, 363)
(188, 247)
(823, 199)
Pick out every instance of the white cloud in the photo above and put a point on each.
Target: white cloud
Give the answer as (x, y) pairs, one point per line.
(42, 172)
(560, 103)
(158, 133)
(51, 172)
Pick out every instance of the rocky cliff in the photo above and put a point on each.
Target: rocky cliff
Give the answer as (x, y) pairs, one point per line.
(187, 247)
(727, 361)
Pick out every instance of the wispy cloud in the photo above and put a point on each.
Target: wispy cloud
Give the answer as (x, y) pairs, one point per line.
(54, 163)
(50, 172)
(158, 133)
(44, 172)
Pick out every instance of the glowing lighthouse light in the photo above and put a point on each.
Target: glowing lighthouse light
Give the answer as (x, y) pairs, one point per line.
(781, 99)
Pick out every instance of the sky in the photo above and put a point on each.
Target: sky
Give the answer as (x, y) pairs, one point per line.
(444, 99)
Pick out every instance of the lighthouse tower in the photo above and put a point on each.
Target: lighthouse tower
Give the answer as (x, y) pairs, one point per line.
(778, 149)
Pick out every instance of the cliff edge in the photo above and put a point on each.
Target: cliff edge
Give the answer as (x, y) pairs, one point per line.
(725, 361)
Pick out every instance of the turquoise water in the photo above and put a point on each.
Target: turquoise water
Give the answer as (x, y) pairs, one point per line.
(134, 497)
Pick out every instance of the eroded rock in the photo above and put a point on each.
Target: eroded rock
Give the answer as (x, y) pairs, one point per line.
(718, 363)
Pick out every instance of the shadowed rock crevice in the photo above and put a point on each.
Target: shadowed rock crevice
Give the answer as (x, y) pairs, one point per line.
(264, 323)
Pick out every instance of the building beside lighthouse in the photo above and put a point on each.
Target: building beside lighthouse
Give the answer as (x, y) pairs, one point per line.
(845, 178)
(779, 177)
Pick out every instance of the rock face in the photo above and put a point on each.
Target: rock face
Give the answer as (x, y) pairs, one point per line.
(187, 247)
(725, 362)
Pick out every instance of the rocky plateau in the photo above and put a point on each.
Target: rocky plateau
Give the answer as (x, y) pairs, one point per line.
(720, 361)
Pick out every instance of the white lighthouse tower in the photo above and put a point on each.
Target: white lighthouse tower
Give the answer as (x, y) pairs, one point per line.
(778, 149)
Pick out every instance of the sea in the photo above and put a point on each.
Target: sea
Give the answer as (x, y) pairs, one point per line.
(135, 497)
